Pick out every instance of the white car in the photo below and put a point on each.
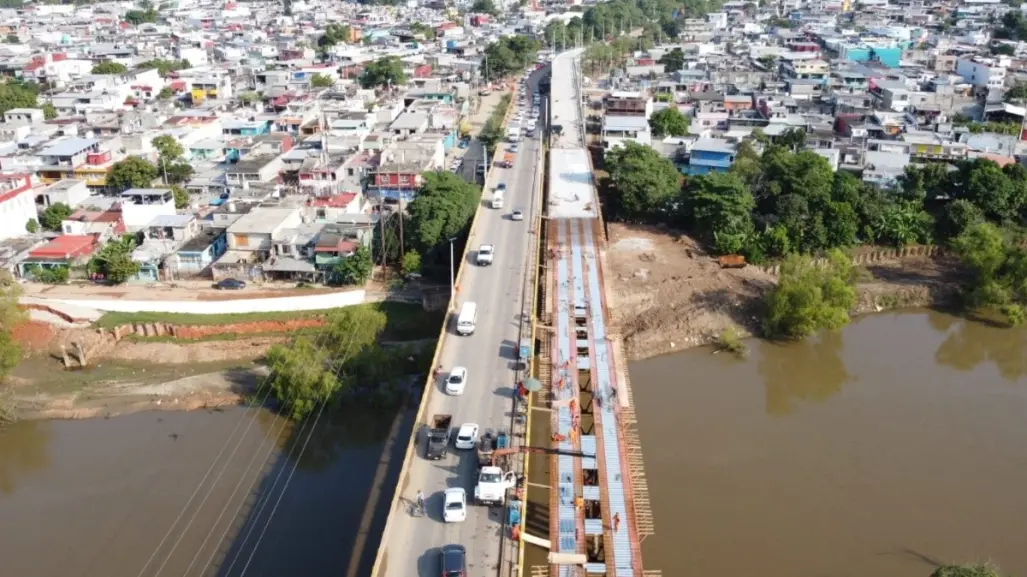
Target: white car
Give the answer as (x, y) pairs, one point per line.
(454, 507)
(456, 381)
(467, 436)
(486, 253)
(517, 215)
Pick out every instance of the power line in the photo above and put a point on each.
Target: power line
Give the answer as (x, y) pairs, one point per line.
(210, 469)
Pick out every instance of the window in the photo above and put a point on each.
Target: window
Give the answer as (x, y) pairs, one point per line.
(242, 240)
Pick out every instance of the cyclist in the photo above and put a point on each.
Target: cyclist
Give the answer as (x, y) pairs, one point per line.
(420, 499)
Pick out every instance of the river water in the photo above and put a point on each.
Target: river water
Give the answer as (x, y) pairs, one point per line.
(98, 497)
(895, 444)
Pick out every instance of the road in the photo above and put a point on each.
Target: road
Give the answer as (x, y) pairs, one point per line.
(490, 356)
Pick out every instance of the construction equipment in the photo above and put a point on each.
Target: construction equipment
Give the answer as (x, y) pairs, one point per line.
(526, 449)
(488, 443)
(732, 261)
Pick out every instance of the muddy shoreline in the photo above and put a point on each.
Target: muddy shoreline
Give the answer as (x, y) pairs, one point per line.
(669, 295)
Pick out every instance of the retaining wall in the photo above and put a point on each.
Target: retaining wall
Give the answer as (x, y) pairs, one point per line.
(193, 332)
(297, 303)
(881, 255)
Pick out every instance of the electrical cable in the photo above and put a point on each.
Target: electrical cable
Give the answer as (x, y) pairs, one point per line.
(213, 464)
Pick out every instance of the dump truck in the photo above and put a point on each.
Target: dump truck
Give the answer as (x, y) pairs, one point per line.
(438, 437)
(508, 160)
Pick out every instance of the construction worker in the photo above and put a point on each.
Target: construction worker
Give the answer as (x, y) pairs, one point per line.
(616, 522)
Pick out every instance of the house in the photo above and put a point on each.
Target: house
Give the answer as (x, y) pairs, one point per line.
(103, 224)
(23, 115)
(197, 253)
(710, 155)
(65, 250)
(140, 206)
(254, 231)
(254, 168)
(70, 192)
(626, 118)
(17, 205)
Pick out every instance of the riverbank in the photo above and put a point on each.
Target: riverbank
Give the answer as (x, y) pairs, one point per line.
(668, 294)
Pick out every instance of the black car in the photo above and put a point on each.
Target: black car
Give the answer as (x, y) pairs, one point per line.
(454, 561)
(229, 284)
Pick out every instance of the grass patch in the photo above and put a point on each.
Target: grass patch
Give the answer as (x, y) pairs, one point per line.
(730, 341)
(406, 321)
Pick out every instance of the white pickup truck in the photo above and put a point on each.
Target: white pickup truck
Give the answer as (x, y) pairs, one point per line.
(486, 253)
(492, 486)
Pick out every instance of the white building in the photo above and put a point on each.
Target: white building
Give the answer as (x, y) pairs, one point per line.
(139, 206)
(17, 205)
(981, 72)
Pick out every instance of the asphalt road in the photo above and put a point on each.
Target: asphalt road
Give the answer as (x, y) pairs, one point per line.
(490, 357)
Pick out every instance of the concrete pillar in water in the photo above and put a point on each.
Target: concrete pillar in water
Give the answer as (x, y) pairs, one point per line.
(80, 353)
(64, 356)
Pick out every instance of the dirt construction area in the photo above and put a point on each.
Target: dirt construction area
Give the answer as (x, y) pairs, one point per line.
(669, 294)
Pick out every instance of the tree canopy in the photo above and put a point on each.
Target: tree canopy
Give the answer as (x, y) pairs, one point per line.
(10, 315)
(673, 60)
(165, 67)
(16, 95)
(132, 172)
(305, 374)
(641, 184)
(356, 268)
(321, 81)
(334, 34)
(109, 67)
(509, 55)
(384, 72)
(810, 296)
(442, 210)
(114, 261)
(485, 7)
(668, 122)
(137, 17)
(997, 262)
(54, 215)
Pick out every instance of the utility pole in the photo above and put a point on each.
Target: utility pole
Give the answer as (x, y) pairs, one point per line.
(402, 251)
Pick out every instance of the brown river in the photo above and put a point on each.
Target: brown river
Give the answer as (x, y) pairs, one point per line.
(882, 450)
(898, 443)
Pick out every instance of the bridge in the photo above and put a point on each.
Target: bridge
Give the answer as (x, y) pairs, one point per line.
(546, 285)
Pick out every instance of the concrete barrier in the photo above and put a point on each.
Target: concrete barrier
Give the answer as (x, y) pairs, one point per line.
(429, 388)
(297, 303)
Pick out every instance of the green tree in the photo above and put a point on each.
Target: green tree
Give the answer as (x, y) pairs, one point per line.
(1018, 93)
(137, 17)
(768, 62)
(177, 172)
(411, 263)
(132, 172)
(12, 39)
(50, 275)
(49, 112)
(668, 122)
(321, 81)
(810, 296)
(164, 67)
(32, 226)
(384, 72)
(165, 94)
(356, 268)
(10, 315)
(509, 55)
(966, 571)
(485, 7)
(168, 147)
(722, 206)
(114, 260)
(13, 95)
(248, 97)
(423, 29)
(998, 268)
(305, 375)
(54, 215)
(182, 199)
(442, 210)
(108, 67)
(958, 216)
(673, 61)
(641, 184)
(334, 34)
(793, 139)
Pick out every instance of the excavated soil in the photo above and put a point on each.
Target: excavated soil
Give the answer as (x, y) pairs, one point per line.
(669, 294)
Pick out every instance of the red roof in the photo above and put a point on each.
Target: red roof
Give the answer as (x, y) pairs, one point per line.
(66, 246)
(338, 201)
(19, 183)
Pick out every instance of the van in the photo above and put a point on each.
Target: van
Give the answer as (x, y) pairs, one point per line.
(467, 320)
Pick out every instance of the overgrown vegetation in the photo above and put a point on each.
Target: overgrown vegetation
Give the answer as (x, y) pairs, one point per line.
(442, 211)
(164, 67)
(966, 571)
(10, 315)
(494, 130)
(510, 55)
(343, 363)
(113, 262)
(729, 340)
(606, 22)
(109, 67)
(810, 296)
(385, 72)
(998, 262)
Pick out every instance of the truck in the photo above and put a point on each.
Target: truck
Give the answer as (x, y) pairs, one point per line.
(488, 443)
(508, 160)
(438, 437)
(492, 486)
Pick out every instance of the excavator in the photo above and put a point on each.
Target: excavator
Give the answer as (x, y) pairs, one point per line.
(493, 482)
